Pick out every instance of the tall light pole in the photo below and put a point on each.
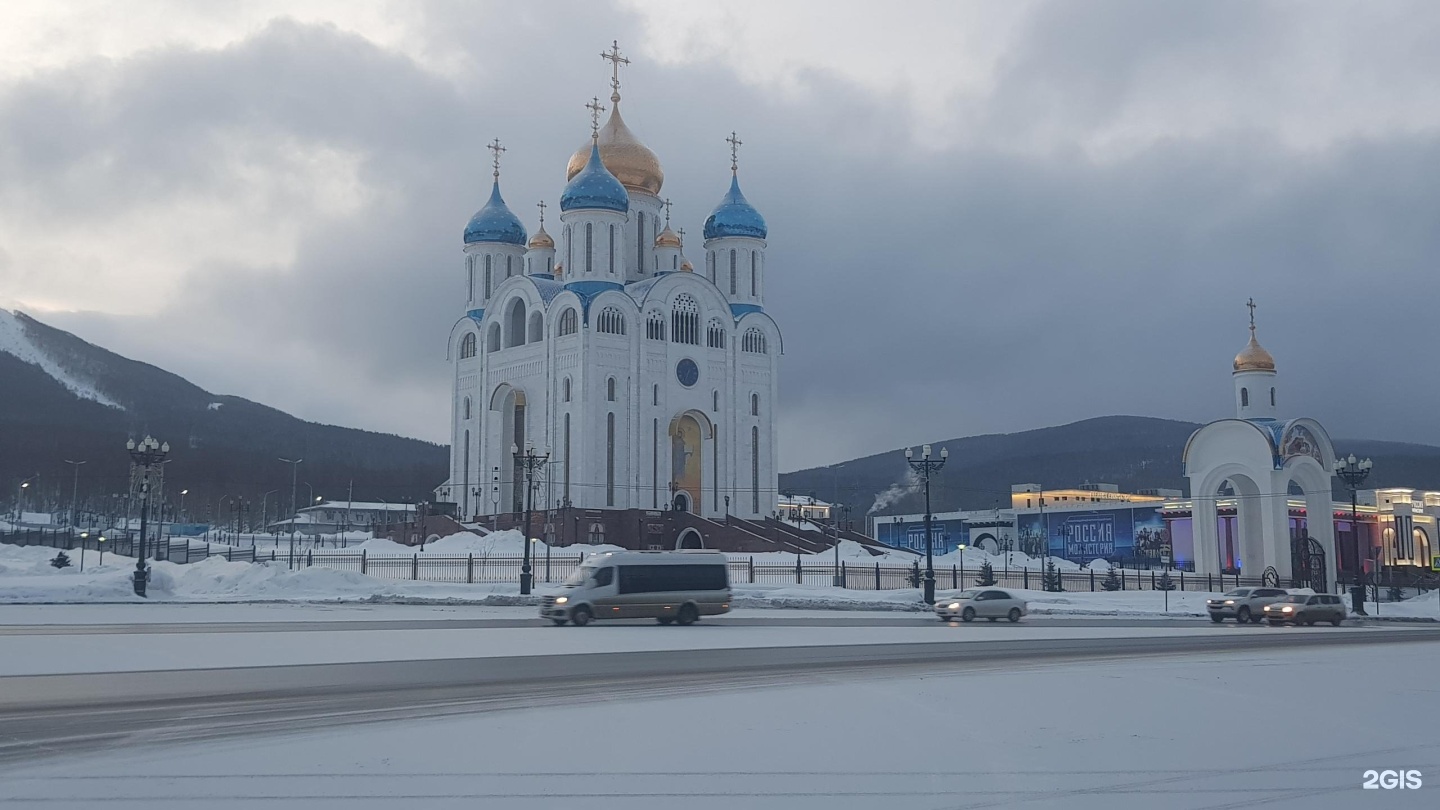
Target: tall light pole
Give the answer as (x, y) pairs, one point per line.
(835, 510)
(495, 499)
(294, 512)
(183, 493)
(531, 462)
(20, 498)
(925, 467)
(1354, 473)
(74, 489)
(148, 457)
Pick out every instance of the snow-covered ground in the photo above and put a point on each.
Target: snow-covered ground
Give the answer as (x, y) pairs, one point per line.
(26, 576)
(1088, 735)
(47, 654)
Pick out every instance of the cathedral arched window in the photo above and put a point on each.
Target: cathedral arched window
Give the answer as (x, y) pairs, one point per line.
(655, 394)
(569, 247)
(611, 321)
(509, 268)
(715, 334)
(467, 407)
(1272, 397)
(610, 389)
(754, 404)
(655, 326)
(612, 247)
(470, 276)
(589, 245)
(710, 265)
(715, 401)
(640, 243)
(467, 346)
(488, 284)
(537, 328)
(596, 534)
(565, 390)
(732, 272)
(492, 341)
(755, 470)
(753, 341)
(1244, 397)
(610, 458)
(515, 324)
(569, 322)
(754, 272)
(685, 320)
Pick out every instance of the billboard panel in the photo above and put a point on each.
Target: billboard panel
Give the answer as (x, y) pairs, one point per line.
(1081, 536)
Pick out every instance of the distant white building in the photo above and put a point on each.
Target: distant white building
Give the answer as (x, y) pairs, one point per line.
(335, 516)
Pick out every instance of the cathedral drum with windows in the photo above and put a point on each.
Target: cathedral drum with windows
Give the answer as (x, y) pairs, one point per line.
(651, 386)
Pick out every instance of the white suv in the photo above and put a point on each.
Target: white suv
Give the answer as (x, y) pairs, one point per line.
(1244, 605)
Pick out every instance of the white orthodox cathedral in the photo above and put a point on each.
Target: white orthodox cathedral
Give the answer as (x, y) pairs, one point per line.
(651, 385)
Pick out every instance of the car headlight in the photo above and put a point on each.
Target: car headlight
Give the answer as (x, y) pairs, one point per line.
(562, 600)
(954, 605)
(1229, 601)
(1286, 609)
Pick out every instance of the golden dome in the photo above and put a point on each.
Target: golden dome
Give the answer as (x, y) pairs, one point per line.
(667, 239)
(687, 267)
(631, 161)
(1254, 357)
(541, 239)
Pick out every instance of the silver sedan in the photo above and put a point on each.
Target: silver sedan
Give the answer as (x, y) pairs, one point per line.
(986, 603)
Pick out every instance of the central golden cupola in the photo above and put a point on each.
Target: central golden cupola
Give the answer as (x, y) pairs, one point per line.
(633, 164)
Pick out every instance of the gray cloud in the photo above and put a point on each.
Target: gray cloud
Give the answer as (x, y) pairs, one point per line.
(1022, 276)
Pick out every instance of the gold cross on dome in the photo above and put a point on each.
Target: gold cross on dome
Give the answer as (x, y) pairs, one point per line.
(1251, 305)
(682, 234)
(494, 146)
(595, 108)
(667, 212)
(735, 143)
(616, 60)
(541, 206)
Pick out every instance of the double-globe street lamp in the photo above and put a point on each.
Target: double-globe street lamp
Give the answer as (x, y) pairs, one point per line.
(148, 457)
(924, 467)
(1354, 473)
(530, 463)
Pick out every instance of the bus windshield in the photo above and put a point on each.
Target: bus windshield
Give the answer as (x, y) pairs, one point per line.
(578, 578)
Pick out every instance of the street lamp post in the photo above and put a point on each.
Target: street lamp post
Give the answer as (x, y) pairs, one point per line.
(531, 463)
(925, 467)
(148, 456)
(74, 489)
(835, 510)
(294, 510)
(1354, 473)
(181, 516)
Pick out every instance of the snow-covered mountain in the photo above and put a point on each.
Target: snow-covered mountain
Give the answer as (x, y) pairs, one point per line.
(64, 398)
(19, 339)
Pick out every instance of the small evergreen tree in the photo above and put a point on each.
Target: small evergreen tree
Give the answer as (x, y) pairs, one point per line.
(1051, 581)
(1112, 580)
(62, 560)
(1165, 583)
(987, 575)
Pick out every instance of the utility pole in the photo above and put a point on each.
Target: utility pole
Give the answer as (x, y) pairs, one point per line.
(74, 489)
(294, 509)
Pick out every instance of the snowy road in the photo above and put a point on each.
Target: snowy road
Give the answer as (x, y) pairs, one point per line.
(1184, 732)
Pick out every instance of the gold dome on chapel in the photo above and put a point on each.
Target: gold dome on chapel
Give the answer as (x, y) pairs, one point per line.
(1254, 357)
(667, 239)
(687, 267)
(631, 161)
(541, 239)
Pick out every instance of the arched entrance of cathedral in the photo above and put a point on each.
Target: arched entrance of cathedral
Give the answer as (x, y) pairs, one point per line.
(688, 433)
(510, 403)
(689, 538)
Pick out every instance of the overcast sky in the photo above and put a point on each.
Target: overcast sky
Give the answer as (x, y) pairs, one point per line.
(984, 217)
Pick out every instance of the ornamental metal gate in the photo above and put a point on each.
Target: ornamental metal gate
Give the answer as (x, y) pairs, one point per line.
(1307, 564)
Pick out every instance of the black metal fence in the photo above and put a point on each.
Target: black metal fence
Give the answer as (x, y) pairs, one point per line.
(490, 568)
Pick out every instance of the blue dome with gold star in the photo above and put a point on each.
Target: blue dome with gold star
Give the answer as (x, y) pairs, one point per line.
(595, 187)
(495, 222)
(735, 216)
